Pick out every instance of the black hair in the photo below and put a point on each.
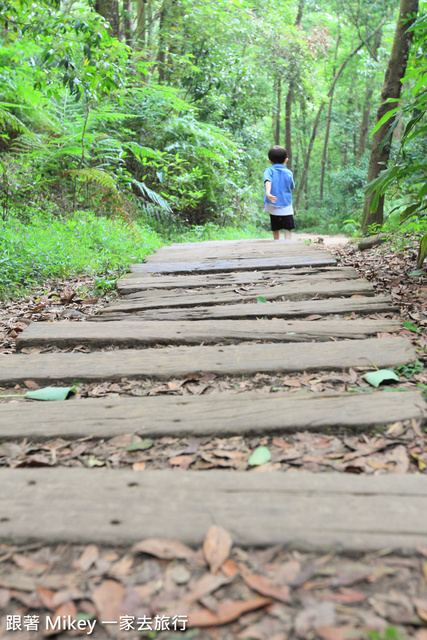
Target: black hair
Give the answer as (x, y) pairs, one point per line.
(277, 154)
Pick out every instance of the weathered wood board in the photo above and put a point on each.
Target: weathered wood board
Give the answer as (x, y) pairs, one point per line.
(304, 510)
(242, 264)
(302, 290)
(179, 361)
(330, 306)
(219, 415)
(128, 334)
(134, 284)
(232, 251)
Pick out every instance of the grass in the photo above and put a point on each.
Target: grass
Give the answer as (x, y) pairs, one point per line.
(52, 247)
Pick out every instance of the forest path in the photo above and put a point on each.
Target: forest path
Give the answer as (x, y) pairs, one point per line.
(288, 330)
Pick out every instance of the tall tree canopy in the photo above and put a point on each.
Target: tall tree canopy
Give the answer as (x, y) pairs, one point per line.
(165, 109)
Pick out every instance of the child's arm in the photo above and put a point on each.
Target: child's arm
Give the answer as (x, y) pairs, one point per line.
(270, 198)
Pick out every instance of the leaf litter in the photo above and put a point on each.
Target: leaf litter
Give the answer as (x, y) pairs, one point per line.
(219, 590)
(402, 448)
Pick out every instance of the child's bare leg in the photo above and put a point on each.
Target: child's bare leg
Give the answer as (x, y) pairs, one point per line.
(288, 234)
(276, 235)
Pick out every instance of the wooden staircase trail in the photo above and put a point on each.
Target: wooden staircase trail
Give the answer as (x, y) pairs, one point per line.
(234, 307)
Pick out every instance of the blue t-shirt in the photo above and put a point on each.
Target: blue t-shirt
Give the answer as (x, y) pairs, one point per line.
(282, 183)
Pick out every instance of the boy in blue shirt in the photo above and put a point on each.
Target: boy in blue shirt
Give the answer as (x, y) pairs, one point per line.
(279, 182)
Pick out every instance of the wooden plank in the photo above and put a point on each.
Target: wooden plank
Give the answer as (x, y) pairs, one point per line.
(329, 306)
(232, 251)
(243, 264)
(132, 285)
(180, 361)
(315, 511)
(128, 334)
(219, 415)
(300, 290)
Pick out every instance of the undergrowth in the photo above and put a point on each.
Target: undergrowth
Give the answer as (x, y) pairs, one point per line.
(51, 247)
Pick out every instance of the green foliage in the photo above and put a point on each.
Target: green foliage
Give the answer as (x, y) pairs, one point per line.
(409, 169)
(409, 370)
(391, 633)
(47, 247)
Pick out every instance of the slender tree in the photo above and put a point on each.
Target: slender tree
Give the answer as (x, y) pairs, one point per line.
(290, 97)
(109, 9)
(303, 180)
(328, 125)
(390, 94)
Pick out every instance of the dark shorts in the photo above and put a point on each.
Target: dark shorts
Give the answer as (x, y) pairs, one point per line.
(282, 222)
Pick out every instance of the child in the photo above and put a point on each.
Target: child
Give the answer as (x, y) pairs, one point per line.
(279, 182)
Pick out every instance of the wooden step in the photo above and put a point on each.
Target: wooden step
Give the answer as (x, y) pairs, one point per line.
(135, 283)
(241, 264)
(302, 290)
(333, 511)
(218, 415)
(330, 306)
(128, 334)
(233, 251)
(179, 361)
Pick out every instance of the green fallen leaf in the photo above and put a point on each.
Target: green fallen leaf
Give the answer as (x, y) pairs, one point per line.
(261, 299)
(94, 462)
(140, 446)
(261, 455)
(375, 378)
(50, 393)
(417, 272)
(410, 326)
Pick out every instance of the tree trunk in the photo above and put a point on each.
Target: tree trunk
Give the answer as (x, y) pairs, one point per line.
(109, 10)
(328, 127)
(363, 137)
(392, 87)
(290, 96)
(288, 122)
(316, 122)
(278, 111)
(127, 22)
(161, 55)
(141, 24)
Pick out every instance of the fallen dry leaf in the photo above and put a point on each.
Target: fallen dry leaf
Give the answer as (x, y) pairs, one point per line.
(227, 611)
(164, 549)
(217, 547)
(205, 586)
(107, 599)
(265, 587)
(229, 568)
(183, 462)
(89, 556)
(332, 633)
(46, 597)
(122, 567)
(28, 564)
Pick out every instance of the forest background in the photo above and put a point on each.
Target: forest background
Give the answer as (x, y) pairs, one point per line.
(126, 124)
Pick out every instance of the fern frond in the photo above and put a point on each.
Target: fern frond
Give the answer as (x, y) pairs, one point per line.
(100, 177)
(152, 195)
(7, 119)
(142, 152)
